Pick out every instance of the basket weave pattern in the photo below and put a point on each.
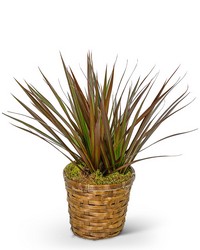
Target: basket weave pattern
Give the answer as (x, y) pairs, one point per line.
(97, 211)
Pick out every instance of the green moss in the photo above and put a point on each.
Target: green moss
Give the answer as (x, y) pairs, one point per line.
(73, 172)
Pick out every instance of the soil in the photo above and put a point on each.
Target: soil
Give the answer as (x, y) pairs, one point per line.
(73, 172)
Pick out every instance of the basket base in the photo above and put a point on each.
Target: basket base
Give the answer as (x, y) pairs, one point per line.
(96, 236)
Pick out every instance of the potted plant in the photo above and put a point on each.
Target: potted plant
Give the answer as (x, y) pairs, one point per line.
(106, 129)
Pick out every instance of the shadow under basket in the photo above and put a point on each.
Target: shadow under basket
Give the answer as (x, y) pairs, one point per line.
(97, 211)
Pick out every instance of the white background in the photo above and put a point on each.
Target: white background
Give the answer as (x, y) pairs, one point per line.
(164, 208)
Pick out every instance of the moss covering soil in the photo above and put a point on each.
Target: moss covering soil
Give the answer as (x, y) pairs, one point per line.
(73, 172)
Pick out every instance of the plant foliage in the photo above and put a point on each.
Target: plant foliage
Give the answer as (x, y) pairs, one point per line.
(103, 135)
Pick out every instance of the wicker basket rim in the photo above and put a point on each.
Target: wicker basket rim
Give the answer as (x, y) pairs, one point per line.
(84, 186)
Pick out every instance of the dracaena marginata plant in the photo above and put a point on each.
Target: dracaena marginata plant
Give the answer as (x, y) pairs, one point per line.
(103, 135)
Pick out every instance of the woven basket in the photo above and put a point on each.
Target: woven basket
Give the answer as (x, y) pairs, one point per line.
(97, 211)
